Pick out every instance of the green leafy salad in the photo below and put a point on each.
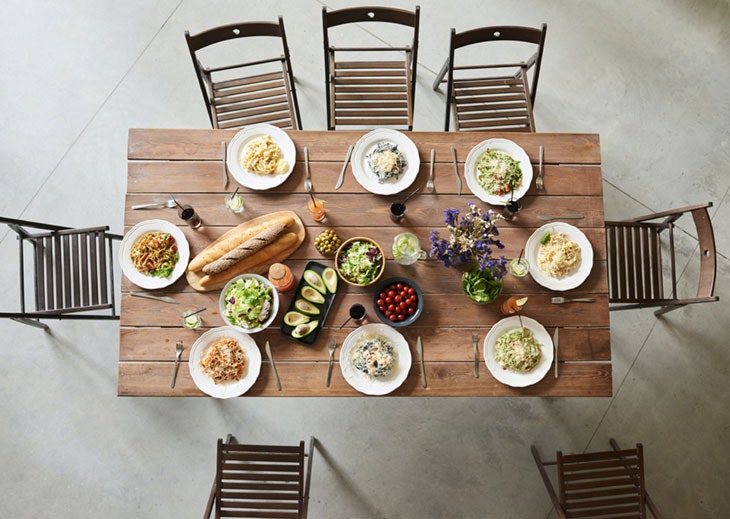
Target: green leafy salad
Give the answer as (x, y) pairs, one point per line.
(248, 303)
(360, 263)
(498, 173)
(480, 286)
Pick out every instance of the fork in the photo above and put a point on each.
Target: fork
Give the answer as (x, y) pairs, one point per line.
(169, 203)
(307, 179)
(331, 348)
(429, 184)
(538, 181)
(558, 300)
(178, 354)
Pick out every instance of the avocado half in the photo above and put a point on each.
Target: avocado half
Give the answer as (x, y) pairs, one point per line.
(305, 329)
(305, 306)
(315, 280)
(295, 318)
(312, 295)
(329, 276)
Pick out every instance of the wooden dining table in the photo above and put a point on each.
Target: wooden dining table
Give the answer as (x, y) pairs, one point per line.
(188, 164)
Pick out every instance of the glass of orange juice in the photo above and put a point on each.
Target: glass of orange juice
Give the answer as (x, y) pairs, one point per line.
(316, 209)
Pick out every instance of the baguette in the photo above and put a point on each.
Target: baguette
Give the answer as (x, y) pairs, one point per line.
(265, 254)
(218, 249)
(246, 249)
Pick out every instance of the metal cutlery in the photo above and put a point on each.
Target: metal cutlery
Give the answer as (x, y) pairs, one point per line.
(164, 299)
(307, 178)
(225, 158)
(538, 181)
(475, 343)
(429, 184)
(169, 203)
(555, 344)
(331, 348)
(419, 349)
(178, 354)
(456, 169)
(560, 217)
(344, 168)
(558, 300)
(271, 360)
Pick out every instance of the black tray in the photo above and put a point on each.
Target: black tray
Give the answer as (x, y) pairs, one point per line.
(324, 308)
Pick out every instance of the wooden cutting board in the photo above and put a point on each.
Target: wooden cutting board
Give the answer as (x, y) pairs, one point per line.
(262, 268)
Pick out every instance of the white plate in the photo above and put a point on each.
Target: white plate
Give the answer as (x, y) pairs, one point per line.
(511, 149)
(511, 377)
(238, 143)
(142, 280)
(376, 385)
(274, 303)
(367, 178)
(225, 389)
(573, 279)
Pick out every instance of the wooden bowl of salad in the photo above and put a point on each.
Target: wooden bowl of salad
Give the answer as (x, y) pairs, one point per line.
(249, 303)
(360, 261)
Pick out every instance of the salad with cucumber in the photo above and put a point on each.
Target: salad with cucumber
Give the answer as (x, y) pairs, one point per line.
(248, 303)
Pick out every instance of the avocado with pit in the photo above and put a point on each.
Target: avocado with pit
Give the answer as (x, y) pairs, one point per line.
(314, 280)
(304, 329)
(329, 276)
(295, 318)
(312, 295)
(305, 306)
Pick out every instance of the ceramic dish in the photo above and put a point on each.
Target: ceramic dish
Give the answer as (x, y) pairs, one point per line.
(410, 319)
(512, 377)
(225, 389)
(376, 385)
(223, 300)
(577, 276)
(511, 149)
(342, 252)
(239, 142)
(142, 228)
(368, 179)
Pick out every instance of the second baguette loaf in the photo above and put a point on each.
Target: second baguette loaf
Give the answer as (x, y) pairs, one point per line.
(246, 249)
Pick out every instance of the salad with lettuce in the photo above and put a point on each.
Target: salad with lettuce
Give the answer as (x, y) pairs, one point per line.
(247, 303)
(360, 263)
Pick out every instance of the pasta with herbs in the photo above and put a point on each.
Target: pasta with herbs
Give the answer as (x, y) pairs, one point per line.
(155, 254)
(373, 355)
(263, 156)
(517, 350)
(559, 256)
(224, 361)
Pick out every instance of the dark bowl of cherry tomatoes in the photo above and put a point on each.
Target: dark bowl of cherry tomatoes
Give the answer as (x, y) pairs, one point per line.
(398, 301)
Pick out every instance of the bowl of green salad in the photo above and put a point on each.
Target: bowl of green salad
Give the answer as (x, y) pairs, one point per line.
(360, 261)
(249, 303)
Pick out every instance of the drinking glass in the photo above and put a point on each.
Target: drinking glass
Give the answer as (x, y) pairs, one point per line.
(234, 202)
(407, 249)
(188, 214)
(397, 211)
(191, 320)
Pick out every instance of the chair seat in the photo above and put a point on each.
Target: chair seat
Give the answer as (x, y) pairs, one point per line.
(493, 103)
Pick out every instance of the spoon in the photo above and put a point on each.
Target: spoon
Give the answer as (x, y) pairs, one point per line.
(169, 203)
(307, 179)
(409, 196)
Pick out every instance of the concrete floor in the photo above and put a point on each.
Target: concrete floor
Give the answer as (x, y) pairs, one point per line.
(650, 77)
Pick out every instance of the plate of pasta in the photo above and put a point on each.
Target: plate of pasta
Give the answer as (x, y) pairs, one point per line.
(518, 354)
(560, 256)
(494, 165)
(154, 254)
(375, 359)
(385, 161)
(261, 156)
(224, 363)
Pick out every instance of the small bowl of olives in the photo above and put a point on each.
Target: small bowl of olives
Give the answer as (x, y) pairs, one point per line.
(327, 242)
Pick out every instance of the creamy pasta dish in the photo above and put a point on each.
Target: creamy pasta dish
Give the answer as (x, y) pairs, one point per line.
(517, 350)
(155, 254)
(373, 355)
(224, 361)
(559, 256)
(386, 161)
(262, 156)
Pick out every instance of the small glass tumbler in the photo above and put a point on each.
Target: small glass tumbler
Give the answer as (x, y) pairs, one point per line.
(358, 313)
(191, 320)
(511, 209)
(519, 267)
(397, 211)
(188, 214)
(316, 210)
(234, 203)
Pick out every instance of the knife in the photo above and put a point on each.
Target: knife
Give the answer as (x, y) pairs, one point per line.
(273, 366)
(475, 342)
(164, 299)
(225, 158)
(456, 169)
(419, 348)
(331, 349)
(555, 343)
(344, 168)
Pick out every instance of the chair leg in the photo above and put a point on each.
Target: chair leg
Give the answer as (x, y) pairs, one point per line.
(664, 309)
(441, 74)
(548, 485)
(30, 322)
(308, 479)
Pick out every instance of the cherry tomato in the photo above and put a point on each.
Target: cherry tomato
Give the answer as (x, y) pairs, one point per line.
(391, 307)
(391, 293)
(393, 317)
(399, 285)
(382, 308)
(387, 313)
(401, 317)
(388, 300)
(380, 302)
(411, 291)
(397, 298)
(411, 311)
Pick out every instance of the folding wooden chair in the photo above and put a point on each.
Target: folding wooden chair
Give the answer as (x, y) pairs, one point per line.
(494, 96)
(601, 484)
(636, 275)
(261, 480)
(374, 92)
(265, 93)
(72, 269)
